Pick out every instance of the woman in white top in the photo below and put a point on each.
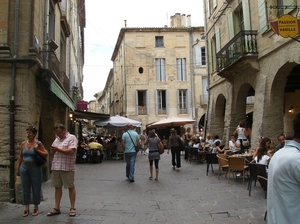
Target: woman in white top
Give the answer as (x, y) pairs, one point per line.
(242, 134)
(262, 156)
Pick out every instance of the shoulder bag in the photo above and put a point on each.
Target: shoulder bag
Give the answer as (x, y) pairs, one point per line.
(245, 142)
(160, 147)
(181, 146)
(135, 146)
(39, 160)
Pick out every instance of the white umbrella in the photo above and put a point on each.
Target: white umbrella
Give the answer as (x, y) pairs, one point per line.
(117, 121)
(172, 121)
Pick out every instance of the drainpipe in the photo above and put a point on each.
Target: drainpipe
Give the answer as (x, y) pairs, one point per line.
(208, 70)
(46, 33)
(192, 73)
(12, 107)
(194, 114)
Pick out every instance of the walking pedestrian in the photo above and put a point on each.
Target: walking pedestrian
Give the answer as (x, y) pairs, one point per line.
(284, 181)
(130, 140)
(29, 172)
(143, 138)
(152, 142)
(174, 145)
(63, 168)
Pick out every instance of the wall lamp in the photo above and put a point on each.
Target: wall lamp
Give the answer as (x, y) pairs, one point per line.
(291, 110)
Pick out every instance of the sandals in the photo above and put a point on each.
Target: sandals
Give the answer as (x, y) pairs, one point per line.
(25, 213)
(150, 178)
(72, 212)
(35, 212)
(54, 211)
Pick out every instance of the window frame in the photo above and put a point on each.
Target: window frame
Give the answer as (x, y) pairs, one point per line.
(159, 41)
(181, 69)
(160, 69)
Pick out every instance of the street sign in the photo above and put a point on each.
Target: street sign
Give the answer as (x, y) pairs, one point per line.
(285, 26)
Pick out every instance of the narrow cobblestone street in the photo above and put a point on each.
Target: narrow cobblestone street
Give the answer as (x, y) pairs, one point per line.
(189, 196)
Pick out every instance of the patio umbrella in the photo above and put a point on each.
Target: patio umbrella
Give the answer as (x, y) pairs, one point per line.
(172, 121)
(117, 121)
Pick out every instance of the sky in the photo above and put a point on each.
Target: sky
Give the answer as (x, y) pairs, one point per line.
(104, 21)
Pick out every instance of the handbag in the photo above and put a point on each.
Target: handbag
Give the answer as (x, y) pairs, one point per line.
(135, 146)
(161, 148)
(245, 142)
(39, 160)
(181, 146)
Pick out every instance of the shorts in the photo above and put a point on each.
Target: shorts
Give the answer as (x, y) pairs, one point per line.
(62, 178)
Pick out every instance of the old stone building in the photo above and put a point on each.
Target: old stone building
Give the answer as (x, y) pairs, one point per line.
(41, 61)
(253, 72)
(158, 73)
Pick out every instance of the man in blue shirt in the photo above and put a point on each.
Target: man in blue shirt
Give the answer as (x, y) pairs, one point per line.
(284, 181)
(130, 140)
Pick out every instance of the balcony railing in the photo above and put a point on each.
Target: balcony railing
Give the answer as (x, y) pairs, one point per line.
(241, 45)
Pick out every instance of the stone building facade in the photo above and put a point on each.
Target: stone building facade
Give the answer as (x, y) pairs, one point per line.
(158, 73)
(253, 73)
(41, 61)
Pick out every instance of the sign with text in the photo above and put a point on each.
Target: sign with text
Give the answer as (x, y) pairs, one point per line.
(285, 26)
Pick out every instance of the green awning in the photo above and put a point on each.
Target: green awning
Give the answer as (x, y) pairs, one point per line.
(61, 94)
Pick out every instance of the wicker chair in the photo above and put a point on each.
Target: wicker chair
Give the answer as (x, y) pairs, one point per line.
(236, 164)
(223, 164)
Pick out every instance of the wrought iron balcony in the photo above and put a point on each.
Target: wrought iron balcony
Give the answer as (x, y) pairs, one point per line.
(241, 45)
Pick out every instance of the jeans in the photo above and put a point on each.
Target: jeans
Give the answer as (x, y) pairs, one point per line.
(175, 151)
(130, 164)
(31, 178)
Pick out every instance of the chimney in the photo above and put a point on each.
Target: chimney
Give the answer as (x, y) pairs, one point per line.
(175, 20)
(183, 20)
(189, 19)
(125, 22)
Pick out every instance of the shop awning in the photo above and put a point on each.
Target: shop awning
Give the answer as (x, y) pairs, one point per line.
(60, 93)
(89, 115)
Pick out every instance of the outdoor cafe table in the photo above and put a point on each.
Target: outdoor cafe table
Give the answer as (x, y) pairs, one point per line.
(247, 156)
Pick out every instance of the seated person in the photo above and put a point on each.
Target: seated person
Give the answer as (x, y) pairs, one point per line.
(262, 156)
(95, 149)
(215, 140)
(196, 143)
(218, 148)
(234, 144)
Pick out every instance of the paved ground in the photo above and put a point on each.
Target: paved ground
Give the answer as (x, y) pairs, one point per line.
(189, 196)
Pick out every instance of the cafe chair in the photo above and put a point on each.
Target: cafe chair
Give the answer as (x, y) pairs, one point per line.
(223, 164)
(211, 158)
(236, 164)
(254, 170)
(120, 153)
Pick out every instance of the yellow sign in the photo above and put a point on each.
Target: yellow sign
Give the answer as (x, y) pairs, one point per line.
(285, 26)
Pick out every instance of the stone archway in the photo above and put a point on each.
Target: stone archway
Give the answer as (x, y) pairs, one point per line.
(285, 89)
(217, 123)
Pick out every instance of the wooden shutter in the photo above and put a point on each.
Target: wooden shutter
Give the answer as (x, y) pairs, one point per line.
(230, 26)
(148, 102)
(167, 102)
(136, 102)
(246, 15)
(263, 18)
(218, 40)
(188, 101)
(156, 101)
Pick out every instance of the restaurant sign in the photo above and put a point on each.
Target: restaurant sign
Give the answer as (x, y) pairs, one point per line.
(285, 26)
